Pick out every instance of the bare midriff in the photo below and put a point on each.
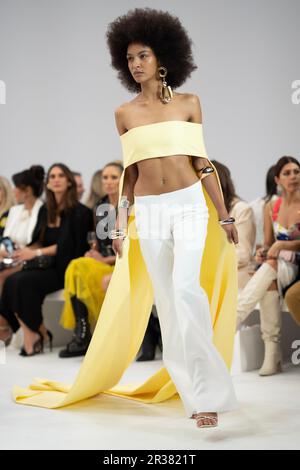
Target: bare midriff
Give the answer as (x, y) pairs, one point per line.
(164, 174)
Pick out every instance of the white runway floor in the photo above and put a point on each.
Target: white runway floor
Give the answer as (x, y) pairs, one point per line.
(268, 418)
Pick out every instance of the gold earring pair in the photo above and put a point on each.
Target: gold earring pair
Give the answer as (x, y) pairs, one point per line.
(166, 93)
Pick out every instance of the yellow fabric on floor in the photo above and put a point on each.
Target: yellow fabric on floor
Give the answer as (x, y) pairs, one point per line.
(83, 278)
(127, 305)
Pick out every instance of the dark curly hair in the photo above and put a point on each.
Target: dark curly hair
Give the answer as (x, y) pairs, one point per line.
(156, 29)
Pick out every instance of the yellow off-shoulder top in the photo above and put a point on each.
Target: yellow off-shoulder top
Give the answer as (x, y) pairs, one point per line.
(127, 305)
(161, 139)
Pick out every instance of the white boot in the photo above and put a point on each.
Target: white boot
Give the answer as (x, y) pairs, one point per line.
(270, 319)
(254, 291)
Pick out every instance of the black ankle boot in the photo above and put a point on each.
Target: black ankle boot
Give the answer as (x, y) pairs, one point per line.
(79, 344)
(151, 339)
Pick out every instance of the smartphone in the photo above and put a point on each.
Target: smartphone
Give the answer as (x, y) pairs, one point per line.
(8, 244)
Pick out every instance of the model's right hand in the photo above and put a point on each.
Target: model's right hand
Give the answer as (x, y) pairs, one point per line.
(232, 233)
(117, 246)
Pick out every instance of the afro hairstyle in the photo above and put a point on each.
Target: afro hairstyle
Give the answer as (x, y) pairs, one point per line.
(159, 30)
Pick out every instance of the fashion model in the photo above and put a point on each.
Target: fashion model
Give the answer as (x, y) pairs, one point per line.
(175, 245)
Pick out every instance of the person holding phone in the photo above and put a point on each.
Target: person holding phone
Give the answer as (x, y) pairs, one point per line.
(60, 236)
(22, 220)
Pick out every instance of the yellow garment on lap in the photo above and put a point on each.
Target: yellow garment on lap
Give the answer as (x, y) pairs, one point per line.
(127, 305)
(83, 278)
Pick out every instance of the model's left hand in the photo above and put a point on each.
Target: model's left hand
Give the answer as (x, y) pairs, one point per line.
(23, 254)
(232, 233)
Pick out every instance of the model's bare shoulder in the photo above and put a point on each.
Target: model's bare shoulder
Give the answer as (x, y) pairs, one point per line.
(120, 115)
(193, 105)
(123, 114)
(189, 98)
(190, 103)
(121, 110)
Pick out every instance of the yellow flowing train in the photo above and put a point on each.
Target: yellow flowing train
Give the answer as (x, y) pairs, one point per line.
(127, 305)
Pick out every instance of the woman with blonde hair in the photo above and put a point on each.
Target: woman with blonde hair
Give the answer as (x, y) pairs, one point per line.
(96, 191)
(6, 201)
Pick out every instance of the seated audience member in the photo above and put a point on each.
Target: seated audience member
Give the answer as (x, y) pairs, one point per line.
(258, 206)
(6, 202)
(278, 262)
(79, 184)
(58, 238)
(244, 220)
(96, 192)
(86, 277)
(23, 217)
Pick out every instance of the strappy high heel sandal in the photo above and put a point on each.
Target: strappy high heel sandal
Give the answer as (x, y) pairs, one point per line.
(38, 348)
(201, 417)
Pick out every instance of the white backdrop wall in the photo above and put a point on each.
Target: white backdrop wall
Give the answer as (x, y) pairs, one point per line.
(61, 91)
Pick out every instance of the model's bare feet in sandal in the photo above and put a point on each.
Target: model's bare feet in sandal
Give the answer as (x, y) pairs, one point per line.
(206, 420)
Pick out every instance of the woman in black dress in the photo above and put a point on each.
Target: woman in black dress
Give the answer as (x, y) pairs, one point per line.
(60, 236)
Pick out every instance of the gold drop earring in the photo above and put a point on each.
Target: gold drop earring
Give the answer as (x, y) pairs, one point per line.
(166, 93)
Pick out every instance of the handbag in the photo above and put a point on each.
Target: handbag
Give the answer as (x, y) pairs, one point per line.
(288, 256)
(39, 262)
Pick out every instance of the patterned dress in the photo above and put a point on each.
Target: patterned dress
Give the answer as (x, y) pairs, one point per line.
(287, 261)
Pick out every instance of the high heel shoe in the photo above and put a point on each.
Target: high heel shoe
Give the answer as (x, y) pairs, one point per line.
(38, 348)
(206, 421)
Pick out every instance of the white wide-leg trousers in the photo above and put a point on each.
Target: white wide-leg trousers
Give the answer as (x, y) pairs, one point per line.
(172, 229)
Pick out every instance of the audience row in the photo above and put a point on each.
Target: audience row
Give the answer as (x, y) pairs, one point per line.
(44, 247)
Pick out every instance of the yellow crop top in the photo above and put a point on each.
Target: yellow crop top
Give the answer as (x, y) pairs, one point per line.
(161, 139)
(128, 302)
